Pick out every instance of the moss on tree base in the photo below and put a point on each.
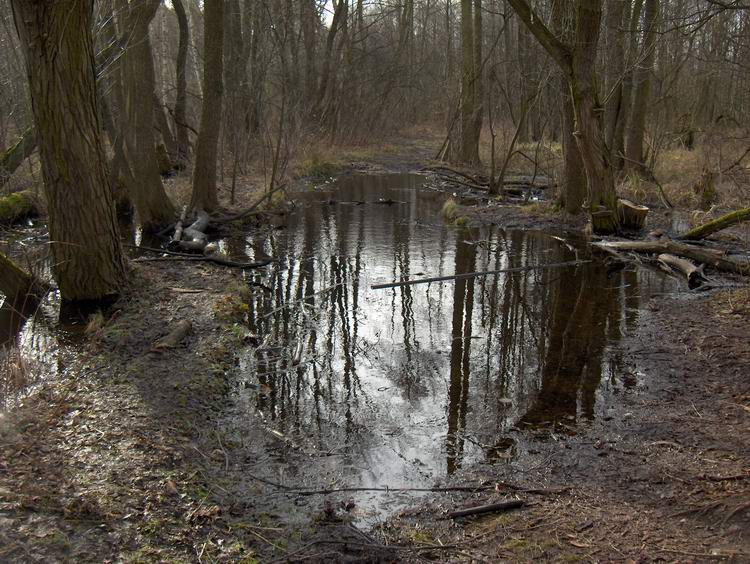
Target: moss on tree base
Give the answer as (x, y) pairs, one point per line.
(17, 206)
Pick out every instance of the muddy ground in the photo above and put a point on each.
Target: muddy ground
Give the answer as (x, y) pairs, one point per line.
(124, 456)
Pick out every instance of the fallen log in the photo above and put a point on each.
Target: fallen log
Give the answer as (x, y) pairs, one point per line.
(174, 338)
(489, 508)
(15, 283)
(18, 205)
(717, 224)
(196, 230)
(714, 258)
(12, 158)
(693, 273)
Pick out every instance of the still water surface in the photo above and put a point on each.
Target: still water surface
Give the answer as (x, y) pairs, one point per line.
(405, 386)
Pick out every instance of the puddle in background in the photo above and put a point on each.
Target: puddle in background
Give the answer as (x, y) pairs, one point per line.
(401, 387)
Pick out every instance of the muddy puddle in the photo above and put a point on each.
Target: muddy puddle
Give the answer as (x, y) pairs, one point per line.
(403, 387)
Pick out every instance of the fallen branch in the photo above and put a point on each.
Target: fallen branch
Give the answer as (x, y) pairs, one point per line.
(693, 273)
(715, 258)
(475, 274)
(216, 259)
(717, 224)
(178, 228)
(489, 508)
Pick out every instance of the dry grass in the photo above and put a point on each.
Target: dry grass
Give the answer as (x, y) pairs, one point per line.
(17, 373)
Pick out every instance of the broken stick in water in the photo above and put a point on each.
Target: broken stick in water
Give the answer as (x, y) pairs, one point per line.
(475, 274)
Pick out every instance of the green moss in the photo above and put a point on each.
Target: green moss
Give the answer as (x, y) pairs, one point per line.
(17, 206)
(318, 167)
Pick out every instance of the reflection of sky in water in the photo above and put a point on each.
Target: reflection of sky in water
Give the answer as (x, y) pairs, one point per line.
(401, 386)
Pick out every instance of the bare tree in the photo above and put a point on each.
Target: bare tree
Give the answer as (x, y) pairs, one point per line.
(87, 257)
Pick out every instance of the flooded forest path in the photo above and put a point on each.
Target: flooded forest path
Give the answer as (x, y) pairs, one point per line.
(310, 417)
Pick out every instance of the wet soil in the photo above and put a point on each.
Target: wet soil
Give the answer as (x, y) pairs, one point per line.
(615, 403)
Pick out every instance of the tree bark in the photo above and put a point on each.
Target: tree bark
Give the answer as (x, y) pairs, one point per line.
(573, 184)
(578, 63)
(146, 189)
(204, 176)
(469, 150)
(180, 104)
(87, 259)
(642, 78)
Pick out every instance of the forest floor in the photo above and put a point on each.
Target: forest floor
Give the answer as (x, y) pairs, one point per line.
(123, 457)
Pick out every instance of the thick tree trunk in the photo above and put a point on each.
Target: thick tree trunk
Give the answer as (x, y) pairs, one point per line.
(12, 158)
(573, 184)
(589, 132)
(180, 104)
(146, 189)
(615, 44)
(642, 78)
(469, 150)
(204, 176)
(87, 259)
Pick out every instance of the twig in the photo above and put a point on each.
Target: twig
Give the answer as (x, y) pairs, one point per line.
(489, 508)
(474, 274)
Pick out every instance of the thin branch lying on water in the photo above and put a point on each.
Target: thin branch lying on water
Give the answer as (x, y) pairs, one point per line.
(445, 489)
(475, 274)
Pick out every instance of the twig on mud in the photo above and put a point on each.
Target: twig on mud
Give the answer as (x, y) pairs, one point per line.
(384, 547)
(226, 456)
(488, 508)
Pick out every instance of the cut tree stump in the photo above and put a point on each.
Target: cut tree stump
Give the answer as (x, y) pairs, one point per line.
(603, 221)
(717, 224)
(632, 216)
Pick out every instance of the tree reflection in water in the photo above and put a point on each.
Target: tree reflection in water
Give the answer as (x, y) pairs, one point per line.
(399, 386)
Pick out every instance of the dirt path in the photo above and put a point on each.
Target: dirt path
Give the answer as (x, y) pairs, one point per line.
(125, 455)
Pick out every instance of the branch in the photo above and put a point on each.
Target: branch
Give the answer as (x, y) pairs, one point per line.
(560, 52)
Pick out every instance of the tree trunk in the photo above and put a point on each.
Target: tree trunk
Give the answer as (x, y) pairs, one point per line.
(642, 78)
(204, 177)
(615, 56)
(573, 184)
(469, 150)
(87, 259)
(146, 189)
(180, 103)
